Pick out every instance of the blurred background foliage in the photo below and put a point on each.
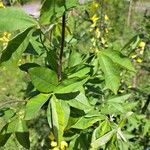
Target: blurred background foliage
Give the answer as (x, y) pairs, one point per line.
(122, 21)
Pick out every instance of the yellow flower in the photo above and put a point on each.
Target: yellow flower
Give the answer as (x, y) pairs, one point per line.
(98, 33)
(1, 5)
(53, 143)
(55, 148)
(142, 44)
(93, 40)
(5, 38)
(106, 18)
(94, 18)
(139, 60)
(93, 25)
(133, 56)
(91, 30)
(94, 6)
(103, 40)
(7, 34)
(141, 51)
(63, 145)
(106, 30)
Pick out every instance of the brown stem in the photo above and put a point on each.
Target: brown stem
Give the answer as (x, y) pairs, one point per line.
(62, 46)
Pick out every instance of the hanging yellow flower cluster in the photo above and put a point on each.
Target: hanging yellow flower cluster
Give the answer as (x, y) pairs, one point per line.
(93, 28)
(98, 27)
(54, 144)
(139, 52)
(106, 19)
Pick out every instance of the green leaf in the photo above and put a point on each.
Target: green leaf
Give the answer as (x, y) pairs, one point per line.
(121, 135)
(119, 99)
(4, 136)
(117, 107)
(73, 143)
(75, 58)
(102, 129)
(44, 79)
(113, 108)
(119, 59)
(36, 47)
(3, 139)
(80, 73)
(23, 139)
(49, 114)
(85, 122)
(146, 126)
(27, 66)
(51, 9)
(66, 109)
(71, 3)
(102, 140)
(123, 121)
(70, 85)
(67, 96)
(15, 48)
(64, 106)
(13, 19)
(80, 102)
(34, 105)
(133, 43)
(116, 104)
(17, 125)
(80, 142)
(58, 119)
(52, 59)
(111, 72)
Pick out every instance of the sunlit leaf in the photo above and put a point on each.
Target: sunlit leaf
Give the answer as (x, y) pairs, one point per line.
(13, 19)
(45, 80)
(34, 105)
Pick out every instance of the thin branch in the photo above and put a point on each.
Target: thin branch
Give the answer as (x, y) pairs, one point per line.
(62, 46)
(10, 102)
